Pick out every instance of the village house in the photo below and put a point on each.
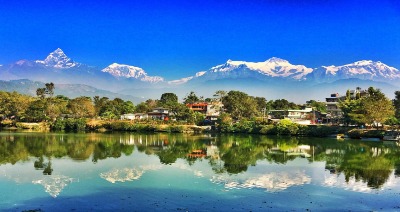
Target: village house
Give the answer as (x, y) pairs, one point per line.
(134, 116)
(305, 116)
(159, 113)
(334, 113)
(210, 110)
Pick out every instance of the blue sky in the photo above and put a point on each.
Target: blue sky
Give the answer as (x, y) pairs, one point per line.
(178, 38)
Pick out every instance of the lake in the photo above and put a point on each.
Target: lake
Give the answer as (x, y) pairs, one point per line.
(178, 172)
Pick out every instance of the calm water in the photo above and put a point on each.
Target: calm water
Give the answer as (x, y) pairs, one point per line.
(174, 172)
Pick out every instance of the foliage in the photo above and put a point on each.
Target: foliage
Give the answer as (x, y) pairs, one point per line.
(240, 105)
(81, 107)
(396, 103)
(373, 109)
(286, 127)
(319, 106)
(69, 125)
(191, 98)
(283, 104)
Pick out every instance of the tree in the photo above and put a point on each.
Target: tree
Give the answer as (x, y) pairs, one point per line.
(378, 108)
(319, 106)
(41, 93)
(283, 104)
(240, 105)
(191, 98)
(373, 109)
(49, 89)
(81, 107)
(36, 110)
(168, 98)
(396, 103)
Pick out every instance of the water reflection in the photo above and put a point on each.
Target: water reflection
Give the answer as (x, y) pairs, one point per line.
(361, 163)
(272, 182)
(127, 174)
(54, 184)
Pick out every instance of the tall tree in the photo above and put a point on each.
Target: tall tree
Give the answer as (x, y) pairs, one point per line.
(396, 103)
(240, 105)
(81, 107)
(50, 89)
(191, 98)
(168, 98)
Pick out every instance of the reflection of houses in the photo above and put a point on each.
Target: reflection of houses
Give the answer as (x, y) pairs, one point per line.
(305, 116)
(159, 113)
(197, 153)
(210, 110)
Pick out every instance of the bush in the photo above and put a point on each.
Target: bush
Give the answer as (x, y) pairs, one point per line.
(70, 124)
(268, 130)
(355, 133)
(286, 127)
(58, 125)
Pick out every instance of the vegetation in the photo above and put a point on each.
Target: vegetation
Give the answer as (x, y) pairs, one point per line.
(241, 113)
(371, 110)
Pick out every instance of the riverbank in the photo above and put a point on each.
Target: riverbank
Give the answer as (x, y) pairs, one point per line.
(284, 127)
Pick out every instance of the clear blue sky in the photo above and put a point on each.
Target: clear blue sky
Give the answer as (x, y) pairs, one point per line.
(178, 38)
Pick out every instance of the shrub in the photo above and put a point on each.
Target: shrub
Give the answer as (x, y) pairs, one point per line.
(286, 127)
(268, 130)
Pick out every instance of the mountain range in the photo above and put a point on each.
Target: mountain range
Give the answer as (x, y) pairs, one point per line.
(274, 78)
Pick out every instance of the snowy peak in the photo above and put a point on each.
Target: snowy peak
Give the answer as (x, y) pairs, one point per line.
(127, 71)
(277, 61)
(273, 67)
(363, 69)
(58, 59)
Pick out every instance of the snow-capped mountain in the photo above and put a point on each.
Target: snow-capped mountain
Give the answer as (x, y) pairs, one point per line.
(364, 69)
(127, 71)
(273, 67)
(58, 59)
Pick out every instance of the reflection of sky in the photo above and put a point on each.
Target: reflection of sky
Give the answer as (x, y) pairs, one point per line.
(54, 184)
(127, 174)
(275, 181)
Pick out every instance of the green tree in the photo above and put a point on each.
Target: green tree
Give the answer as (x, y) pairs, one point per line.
(81, 107)
(283, 104)
(319, 106)
(240, 105)
(36, 111)
(41, 93)
(49, 89)
(191, 98)
(168, 98)
(396, 103)
(378, 108)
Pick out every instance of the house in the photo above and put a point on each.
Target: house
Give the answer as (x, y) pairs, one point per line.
(159, 114)
(334, 113)
(305, 116)
(210, 110)
(129, 116)
(134, 116)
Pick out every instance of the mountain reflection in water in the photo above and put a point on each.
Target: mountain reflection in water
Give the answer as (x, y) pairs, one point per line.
(366, 166)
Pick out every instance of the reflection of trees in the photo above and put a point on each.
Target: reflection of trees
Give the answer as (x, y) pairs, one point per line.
(14, 148)
(238, 152)
(369, 162)
(363, 166)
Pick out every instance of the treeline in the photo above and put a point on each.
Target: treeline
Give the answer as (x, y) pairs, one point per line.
(46, 107)
(240, 113)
